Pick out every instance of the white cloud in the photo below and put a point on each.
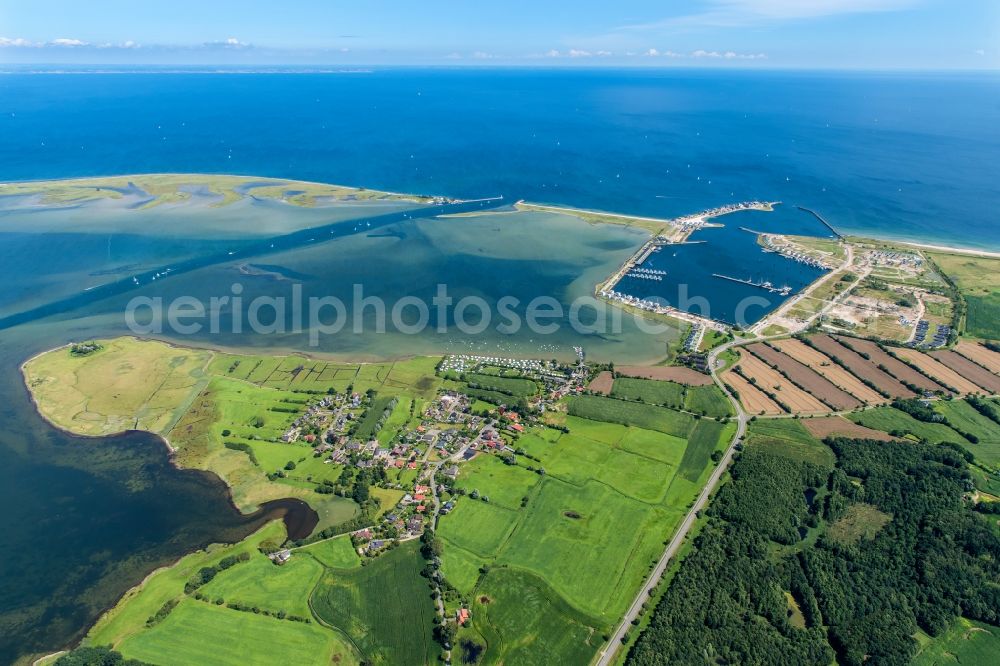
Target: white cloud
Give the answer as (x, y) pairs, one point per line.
(17, 43)
(577, 53)
(604, 54)
(62, 41)
(553, 54)
(483, 55)
(228, 43)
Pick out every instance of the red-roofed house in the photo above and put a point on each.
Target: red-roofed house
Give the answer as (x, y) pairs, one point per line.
(462, 615)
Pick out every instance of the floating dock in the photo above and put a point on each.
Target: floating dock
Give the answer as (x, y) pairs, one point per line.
(765, 285)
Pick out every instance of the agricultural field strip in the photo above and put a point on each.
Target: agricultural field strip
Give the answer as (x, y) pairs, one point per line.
(753, 399)
(966, 368)
(939, 371)
(895, 367)
(823, 365)
(979, 354)
(861, 367)
(816, 385)
(793, 396)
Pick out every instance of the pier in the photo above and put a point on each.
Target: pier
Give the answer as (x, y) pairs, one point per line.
(765, 285)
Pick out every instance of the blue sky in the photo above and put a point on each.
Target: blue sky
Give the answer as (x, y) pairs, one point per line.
(865, 34)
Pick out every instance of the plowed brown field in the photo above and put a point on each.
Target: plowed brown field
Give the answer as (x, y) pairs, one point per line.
(939, 371)
(677, 374)
(980, 354)
(966, 368)
(838, 425)
(818, 386)
(862, 368)
(754, 400)
(821, 364)
(602, 383)
(766, 376)
(897, 368)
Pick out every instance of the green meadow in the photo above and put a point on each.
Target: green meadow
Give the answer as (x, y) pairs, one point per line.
(385, 607)
(706, 400)
(965, 417)
(890, 419)
(965, 642)
(201, 633)
(789, 438)
(627, 413)
(531, 622)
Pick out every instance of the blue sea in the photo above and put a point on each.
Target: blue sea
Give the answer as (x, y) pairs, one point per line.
(911, 156)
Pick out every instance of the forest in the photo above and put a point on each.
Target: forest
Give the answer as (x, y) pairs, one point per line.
(803, 564)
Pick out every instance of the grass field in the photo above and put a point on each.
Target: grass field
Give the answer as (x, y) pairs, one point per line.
(385, 607)
(664, 420)
(198, 633)
(964, 417)
(704, 439)
(515, 386)
(127, 385)
(505, 485)
(789, 438)
(609, 538)
(889, 419)
(668, 394)
(478, 527)
(860, 521)
(707, 400)
(534, 626)
(336, 553)
(261, 583)
(966, 642)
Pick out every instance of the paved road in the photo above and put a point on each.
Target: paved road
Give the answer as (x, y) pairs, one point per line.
(607, 655)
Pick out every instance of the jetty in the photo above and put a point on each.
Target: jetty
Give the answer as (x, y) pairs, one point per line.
(764, 284)
(820, 218)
